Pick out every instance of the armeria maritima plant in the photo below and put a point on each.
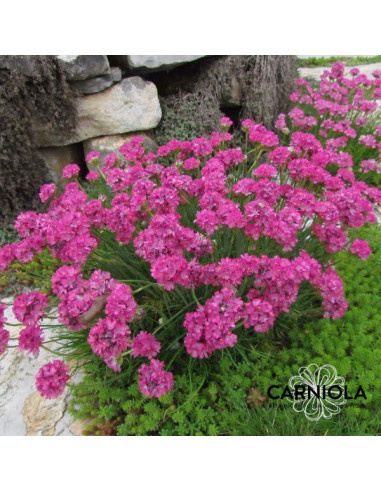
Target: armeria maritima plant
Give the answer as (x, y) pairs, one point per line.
(342, 111)
(172, 254)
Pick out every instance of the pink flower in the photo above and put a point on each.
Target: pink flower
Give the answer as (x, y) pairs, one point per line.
(153, 380)
(361, 249)
(70, 170)
(92, 176)
(369, 165)
(108, 339)
(6, 256)
(120, 304)
(46, 191)
(281, 123)
(265, 171)
(368, 140)
(29, 307)
(92, 156)
(65, 279)
(51, 379)
(30, 339)
(145, 345)
(4, 334)
(226, 122)
(209, 328)
(3, 319)
(4, 339)
(331, 288)
(259, 314)
(170, 270)
(191, 163)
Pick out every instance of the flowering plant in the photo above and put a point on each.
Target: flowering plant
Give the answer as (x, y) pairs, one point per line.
(343, 113)
(192, 244)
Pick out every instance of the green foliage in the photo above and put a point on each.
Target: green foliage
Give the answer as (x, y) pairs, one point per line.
(211, 397)
(7, 235)
(187, 116)
(36, 274)
(315, 61)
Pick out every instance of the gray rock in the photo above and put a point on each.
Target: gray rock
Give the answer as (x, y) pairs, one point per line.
(154, 63)
(56, 158)
(98, 84)
(129, 106)
(116, 74)
(22, 410)
(82, 67)
(23, 63)
(112, 143)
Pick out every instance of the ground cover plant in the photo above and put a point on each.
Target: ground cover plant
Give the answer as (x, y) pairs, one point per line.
(166, 263)
(233, 398)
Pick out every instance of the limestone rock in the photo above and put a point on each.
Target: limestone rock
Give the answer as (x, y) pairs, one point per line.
(116, 74)
(112, 143)
(79, 426)
(42, 415)
(98, 84)
(82, 67)
(128, 106)
(22, 410)
(56, 158)
(154, 63)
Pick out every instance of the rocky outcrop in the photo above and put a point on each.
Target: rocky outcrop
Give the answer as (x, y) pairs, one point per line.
(57, 106)
(154, 63)
(56, 158)
(129, 106)
(82, 67)
(41, 415)
(98, 84)
(22, 410)
(112, 143)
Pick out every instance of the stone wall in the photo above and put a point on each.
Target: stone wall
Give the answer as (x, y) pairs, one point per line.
(118, 96)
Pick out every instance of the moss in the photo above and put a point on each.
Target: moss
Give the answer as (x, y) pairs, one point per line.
(45, 96)
(193, 98)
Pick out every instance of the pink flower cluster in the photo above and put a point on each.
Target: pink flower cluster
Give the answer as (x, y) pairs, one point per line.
(153, 380)
(203, 215)
(342, 108)
(51, 379)
(29, 309)
(4, 334)
(210, 327)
